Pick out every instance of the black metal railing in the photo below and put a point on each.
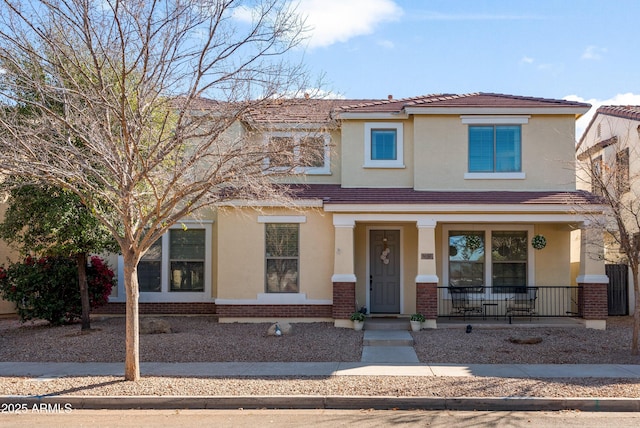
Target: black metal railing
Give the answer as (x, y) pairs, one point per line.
(508, 302)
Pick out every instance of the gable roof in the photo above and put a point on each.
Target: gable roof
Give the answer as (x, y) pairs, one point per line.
(335, 194)
(472, 100)
(325, 111)
(624, 112)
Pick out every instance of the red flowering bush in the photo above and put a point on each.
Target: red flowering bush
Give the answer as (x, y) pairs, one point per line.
(47, 288)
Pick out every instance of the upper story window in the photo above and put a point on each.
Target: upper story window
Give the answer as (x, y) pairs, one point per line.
(622, 171)
(305, 152)
(495, 146)
(383, 145)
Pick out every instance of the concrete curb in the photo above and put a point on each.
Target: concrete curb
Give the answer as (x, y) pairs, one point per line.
(77, 402)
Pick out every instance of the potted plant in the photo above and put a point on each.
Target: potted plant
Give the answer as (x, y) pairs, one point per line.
(358, 320)
(416, 321)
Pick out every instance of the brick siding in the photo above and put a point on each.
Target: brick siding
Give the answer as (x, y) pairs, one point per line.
(344, 299)
(592, 301)
(427, 299)
(168, 308)
(275, 311)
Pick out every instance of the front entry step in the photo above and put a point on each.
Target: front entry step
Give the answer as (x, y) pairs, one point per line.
(387, 324)
(387, 338)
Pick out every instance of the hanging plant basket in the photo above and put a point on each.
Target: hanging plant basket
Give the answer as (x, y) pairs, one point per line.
(539, 242)
(473, 242)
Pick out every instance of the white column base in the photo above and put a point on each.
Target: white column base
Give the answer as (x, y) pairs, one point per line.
(596, 324)
(343, 324)
(429, 324)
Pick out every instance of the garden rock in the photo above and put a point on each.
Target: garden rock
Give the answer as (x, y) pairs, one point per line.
(154, 326)
(283, 327)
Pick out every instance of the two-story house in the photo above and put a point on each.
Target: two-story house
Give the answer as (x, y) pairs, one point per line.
(405, 200)
(609, 161)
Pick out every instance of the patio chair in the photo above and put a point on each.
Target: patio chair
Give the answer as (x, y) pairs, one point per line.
(522, 304)
(462, 303)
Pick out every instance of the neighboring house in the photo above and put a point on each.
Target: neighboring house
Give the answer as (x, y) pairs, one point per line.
(608, 156)
(403, 199)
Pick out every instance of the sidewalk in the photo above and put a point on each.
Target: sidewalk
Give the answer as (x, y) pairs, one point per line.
(46, 371)
(54, 370)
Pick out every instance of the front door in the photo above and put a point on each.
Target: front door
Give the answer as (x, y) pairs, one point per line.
(384, 265)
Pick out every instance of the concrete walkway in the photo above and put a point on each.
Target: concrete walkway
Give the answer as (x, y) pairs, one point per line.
(388, 346)
(44, 371)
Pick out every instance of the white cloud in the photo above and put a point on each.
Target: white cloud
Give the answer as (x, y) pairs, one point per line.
(526, 60)
(593, 52)
(388, 44)
(629, 98)
(333, 21)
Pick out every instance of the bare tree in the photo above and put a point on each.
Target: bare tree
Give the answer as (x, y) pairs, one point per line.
(120, 106)
(605, 169)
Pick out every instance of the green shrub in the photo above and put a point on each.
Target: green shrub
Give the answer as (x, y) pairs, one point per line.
(47, 288)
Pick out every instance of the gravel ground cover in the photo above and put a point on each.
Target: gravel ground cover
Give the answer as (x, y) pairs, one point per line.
(202, 339)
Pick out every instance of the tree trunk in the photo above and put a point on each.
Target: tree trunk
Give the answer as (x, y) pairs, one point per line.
(132, 329)
(81, 261)
(635, 349)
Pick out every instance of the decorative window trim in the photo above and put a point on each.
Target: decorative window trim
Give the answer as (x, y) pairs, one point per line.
(494, 176)
(282, 219)
(372, 163)
(297, 136)
(495, 120)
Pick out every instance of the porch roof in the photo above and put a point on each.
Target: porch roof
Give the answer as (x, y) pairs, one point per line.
(335, 194)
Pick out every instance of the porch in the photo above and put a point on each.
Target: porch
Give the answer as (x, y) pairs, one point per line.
(509, 303)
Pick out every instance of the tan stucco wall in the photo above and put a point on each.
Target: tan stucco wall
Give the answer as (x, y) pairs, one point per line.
(441, 155)
(553, 263)
(353, 172)
(241, 256)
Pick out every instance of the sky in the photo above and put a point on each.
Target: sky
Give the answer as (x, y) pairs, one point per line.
(580, 50)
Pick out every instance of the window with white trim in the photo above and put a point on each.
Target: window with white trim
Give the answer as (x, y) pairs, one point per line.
(495, 148)
(282, 257)
(150, 269)
(383, 145)
(303, 152)
(186, 259)
(176, 262)
(496, 257)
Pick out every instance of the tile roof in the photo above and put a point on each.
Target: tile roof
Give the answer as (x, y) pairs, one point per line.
(296, 110)
(626, 112)
(478, 99)
(312, 110)
(334, 194)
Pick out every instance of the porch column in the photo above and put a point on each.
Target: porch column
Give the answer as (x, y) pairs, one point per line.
(344, 278)
(592, 298)
(427, 279)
